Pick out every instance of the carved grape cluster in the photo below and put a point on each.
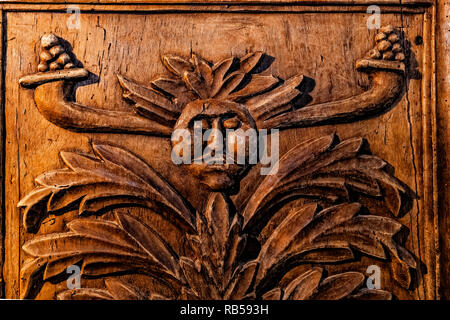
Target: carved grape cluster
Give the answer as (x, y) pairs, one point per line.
(388, 45)
(53, 54)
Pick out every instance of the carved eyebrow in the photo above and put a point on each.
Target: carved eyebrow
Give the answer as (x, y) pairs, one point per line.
(226, 115)
(199, 117)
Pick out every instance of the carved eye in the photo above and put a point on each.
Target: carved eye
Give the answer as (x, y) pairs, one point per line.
(232, 123)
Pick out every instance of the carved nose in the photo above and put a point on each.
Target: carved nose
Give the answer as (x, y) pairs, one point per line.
(217, 124)
(215, 143)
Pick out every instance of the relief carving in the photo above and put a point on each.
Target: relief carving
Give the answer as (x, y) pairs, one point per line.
(329, 227)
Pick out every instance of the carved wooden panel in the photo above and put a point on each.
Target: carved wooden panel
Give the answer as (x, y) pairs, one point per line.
(90, 179)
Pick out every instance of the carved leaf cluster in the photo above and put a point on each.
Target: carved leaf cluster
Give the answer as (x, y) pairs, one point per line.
(234, 79)
(101, 247)
(326, 169)
(116, 289)
(215, 271)
(216, 266)
(311, 285)
(225, 79)
(328, 236)
(98, 183)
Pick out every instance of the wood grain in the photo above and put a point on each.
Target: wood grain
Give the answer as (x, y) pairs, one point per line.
(111, 43)
(442, 141)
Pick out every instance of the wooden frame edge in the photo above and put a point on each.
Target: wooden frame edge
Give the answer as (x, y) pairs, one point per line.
(2, 156)
(442, 143)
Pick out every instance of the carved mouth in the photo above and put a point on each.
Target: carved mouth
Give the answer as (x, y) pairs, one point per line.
(226, 168)
(220, 167)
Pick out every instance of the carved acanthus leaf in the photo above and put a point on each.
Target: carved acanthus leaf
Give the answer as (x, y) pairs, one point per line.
(150, 103)
(101, 248)
(310, 285)
(116, 289)
(328, 236)
(85, 294)
(114, 177)
(326, 169)
(219, 241)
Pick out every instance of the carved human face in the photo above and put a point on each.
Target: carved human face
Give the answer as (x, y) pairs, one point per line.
(222, 116)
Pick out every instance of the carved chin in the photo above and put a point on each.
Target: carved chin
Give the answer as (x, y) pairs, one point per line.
(217, 177)
(219, 181)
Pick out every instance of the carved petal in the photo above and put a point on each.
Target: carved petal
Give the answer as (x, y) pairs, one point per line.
(241, 282)
(149, 101)
(235, 245)
(320, 168)
(58, 266)
(251, 60)
(195, 83)
(150, 241)
(230, 83)
(257, 85)
(120, 290)
(219, 242)
(174, 88)
(274, 102)
(220, 70)
(308, 286)
(302, 287)
(85, 294)
(274, 294)
(370, 168)
(292, 160)
(198, 279)
(34, 205)
(280, 247)
(29, 273)
(204, 69)
(338, 286)
(329, 236)
(218, 217)
(141, 169)
(372, 294)
(373, 228)
(284, 234)
(61, 244)
(107, 230)
(177, 65)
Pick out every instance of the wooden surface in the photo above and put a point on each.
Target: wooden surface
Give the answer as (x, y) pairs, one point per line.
(321, 45)
(443, 139)
(144, 2)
